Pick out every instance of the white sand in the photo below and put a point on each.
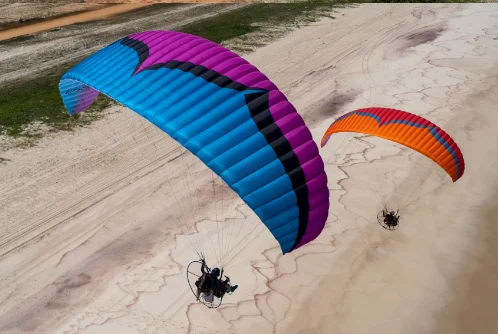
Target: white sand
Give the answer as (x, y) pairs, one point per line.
(85, 250)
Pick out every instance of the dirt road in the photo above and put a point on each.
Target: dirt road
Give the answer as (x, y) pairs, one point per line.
(67, 20)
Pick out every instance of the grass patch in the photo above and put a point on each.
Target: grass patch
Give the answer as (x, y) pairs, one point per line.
(39, 102)
(257, 17)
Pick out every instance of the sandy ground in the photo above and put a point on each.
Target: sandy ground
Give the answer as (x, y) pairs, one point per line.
(68, 20)
(13, 12)
(90, 243)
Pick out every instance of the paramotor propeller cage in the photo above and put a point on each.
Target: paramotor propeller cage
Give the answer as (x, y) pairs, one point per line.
(380, 218)
(193, 274)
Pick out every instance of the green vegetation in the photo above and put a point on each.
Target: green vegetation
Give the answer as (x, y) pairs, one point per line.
(257, 17)
(38, 102)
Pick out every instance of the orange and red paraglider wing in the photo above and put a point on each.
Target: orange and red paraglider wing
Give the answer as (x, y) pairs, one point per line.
(407, 129)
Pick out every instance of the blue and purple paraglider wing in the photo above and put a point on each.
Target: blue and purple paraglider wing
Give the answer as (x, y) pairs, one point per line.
(223, 110)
